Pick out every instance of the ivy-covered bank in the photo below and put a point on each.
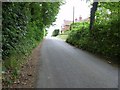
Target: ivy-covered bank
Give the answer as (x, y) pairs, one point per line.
(104, 38)
(23, 27)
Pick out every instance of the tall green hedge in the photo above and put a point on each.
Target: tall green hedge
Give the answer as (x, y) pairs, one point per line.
(105, 36)
(23, 25)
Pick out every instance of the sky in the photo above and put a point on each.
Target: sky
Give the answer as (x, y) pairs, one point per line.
(81, 8)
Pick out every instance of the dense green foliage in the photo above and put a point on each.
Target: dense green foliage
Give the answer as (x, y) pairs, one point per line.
(23, 27)
(78, 32)
(66, 32)
(55, 32)
(104, 37)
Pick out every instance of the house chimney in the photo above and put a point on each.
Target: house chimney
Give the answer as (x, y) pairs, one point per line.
(80, 18)
(76, 20)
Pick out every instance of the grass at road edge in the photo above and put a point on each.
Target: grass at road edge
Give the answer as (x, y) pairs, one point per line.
(62, 36)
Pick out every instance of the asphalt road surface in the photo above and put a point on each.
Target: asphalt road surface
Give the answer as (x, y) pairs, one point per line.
(64, 66)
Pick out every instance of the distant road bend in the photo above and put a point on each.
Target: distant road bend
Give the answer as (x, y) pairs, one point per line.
(64, 66)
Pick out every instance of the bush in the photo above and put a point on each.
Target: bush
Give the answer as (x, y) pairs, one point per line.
(23, 28)
(55, 32)
(103, 39)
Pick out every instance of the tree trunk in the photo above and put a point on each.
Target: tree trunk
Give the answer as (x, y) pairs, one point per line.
(92, 14)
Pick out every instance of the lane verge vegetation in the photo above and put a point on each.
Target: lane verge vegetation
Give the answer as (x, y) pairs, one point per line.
(23, 28)
(104, 37)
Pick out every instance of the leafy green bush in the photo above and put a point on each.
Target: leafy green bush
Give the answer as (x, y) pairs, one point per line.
(101, 40)
(104, 38)
(79, 25)
(55, 32)
(23, 25)
(66, 32)
(79, 30)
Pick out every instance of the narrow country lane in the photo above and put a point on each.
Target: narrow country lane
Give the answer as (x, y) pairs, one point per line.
(64, 66)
